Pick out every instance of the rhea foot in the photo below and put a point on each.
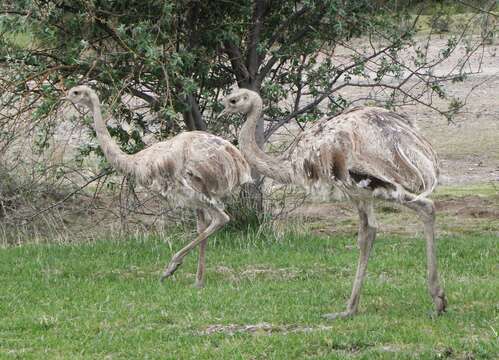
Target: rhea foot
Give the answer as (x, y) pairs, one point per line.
(199, 284)
(440, 303)
(172, 267)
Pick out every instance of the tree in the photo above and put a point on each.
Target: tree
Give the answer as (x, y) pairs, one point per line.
(163, 65)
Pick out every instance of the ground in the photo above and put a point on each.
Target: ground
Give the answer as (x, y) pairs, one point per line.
(462, 209)
(263, 300)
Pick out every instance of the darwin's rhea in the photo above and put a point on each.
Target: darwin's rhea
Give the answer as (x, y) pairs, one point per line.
(368, 153)
(194, 169)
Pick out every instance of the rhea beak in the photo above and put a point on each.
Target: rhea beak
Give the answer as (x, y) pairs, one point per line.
(67, 98)
(223, 113)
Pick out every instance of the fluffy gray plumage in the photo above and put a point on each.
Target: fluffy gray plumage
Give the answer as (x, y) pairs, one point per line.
(193, 169)
(368, 153)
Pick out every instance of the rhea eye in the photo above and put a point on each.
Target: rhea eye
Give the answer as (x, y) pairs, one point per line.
(232, 101)
(76, 93)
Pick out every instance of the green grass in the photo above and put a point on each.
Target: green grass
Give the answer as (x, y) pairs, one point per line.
(489, 190)
(103, 300)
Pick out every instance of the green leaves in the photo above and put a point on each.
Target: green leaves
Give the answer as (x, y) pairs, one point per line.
(162, 63)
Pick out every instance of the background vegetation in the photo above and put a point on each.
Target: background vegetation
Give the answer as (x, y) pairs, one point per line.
(161, 68)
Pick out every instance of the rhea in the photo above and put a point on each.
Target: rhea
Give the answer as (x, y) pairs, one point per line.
(194, 169)
(368, 153)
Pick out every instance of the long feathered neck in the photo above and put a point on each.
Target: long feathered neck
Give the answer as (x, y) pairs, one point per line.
(267, 165)
(114, 155)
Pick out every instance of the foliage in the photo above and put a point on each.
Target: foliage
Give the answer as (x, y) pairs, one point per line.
(174, 59)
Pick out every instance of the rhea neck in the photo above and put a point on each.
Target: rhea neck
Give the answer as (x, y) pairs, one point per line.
(262, 162)
(114, 155)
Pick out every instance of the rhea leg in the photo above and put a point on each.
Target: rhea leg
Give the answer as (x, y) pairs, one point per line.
(366, 236)
(426, 210)
(218, 218)
(202, 224)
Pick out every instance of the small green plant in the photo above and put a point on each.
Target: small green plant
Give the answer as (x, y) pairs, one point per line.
(243, 215)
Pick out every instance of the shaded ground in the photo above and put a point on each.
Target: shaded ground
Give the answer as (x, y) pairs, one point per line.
(465, 209)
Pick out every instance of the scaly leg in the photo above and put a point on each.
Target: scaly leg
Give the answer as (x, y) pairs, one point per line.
(218, 219)
(426, 210)
(202, 224)
(366, 236)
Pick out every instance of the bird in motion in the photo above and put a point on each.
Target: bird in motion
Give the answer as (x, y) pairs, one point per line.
(194, 169)
(368, 153)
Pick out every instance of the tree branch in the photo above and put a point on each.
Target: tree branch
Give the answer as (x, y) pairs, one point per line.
(97, 177)
(489, 11)
(252, 58)
(197, 118)
(236, 60)
(146, 97)
(297, 37)
(326, 94)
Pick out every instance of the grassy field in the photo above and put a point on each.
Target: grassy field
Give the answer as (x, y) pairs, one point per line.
(103, 300)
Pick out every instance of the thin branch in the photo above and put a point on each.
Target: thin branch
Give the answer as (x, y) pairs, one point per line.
(252, 58)
(103, 173)
(320, 98)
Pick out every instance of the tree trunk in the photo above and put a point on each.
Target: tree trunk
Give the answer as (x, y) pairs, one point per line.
(245, 67)
(197, 118)
(251, 196)
(192, 118)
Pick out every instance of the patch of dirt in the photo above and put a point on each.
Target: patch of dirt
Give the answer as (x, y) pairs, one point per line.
(460, 214)
(469, 206)
(469, 170)
(261, 328)
(337, 210)
(255, 271)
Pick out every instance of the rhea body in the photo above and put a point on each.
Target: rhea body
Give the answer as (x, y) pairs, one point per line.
(367, 152)
(194, 169)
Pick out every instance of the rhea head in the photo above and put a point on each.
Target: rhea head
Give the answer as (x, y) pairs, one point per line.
(239, 101)
(82, 95)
